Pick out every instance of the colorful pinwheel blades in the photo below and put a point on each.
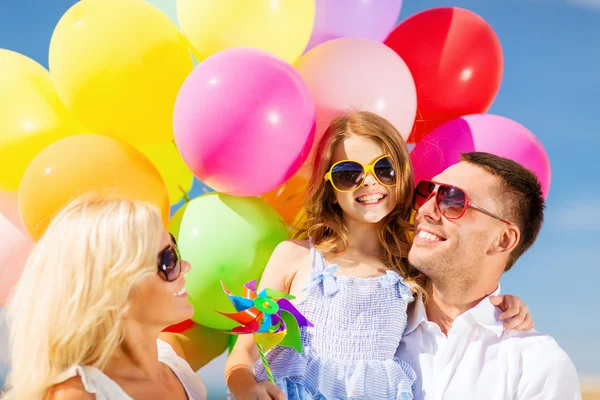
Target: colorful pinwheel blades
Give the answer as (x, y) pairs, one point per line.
(269, 315)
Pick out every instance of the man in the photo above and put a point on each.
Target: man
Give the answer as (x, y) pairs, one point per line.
(474, 221)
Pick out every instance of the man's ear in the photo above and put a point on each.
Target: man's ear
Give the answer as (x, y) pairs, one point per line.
(508, 239)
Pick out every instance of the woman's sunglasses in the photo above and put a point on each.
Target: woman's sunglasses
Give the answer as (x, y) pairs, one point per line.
(348, 175)
(169, 262)
(451, 201)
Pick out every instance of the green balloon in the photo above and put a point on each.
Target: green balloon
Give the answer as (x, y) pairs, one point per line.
(225, 238)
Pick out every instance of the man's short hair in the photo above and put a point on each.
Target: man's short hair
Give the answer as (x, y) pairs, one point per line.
(521, 197)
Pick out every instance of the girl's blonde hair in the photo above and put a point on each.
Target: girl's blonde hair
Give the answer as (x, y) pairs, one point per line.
(323, 220)
(66, 309)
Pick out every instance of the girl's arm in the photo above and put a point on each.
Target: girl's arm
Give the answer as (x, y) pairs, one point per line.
(239, 370)
(516, 314)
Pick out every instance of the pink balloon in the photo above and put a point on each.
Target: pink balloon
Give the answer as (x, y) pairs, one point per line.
(353, 18)
(361, 74)
(9, 207)
(480, 132)
(244, 121)
(14, 250)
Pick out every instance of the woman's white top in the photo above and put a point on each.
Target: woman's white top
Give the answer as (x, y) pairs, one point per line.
(96, 382)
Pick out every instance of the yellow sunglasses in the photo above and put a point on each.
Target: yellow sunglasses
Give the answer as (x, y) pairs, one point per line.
(349, 175)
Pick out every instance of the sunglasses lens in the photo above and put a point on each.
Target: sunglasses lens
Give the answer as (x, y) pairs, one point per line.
(422, 193)
(169, 264)
(347, 175)
(451, 201)
(385, 172)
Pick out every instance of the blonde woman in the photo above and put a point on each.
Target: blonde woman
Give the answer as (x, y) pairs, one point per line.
(99, 287)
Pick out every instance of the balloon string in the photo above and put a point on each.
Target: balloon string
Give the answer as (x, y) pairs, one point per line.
(265, 363)
(185, 195)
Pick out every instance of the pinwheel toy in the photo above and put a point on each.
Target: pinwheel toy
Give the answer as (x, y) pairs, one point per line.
(270, 317)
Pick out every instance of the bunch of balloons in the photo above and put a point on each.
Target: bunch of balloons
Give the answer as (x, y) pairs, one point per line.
(211, 110)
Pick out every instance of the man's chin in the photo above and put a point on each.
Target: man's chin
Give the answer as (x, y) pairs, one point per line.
(421, 260)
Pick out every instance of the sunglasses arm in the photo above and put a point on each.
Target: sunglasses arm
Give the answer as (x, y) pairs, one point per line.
(476, 207)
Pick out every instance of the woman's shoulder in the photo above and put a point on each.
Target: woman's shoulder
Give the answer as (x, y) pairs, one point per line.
(71, 389)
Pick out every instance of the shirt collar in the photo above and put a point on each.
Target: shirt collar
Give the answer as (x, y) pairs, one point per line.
(484, 314)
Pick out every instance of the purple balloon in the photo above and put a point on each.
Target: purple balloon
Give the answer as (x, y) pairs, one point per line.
(480, 132)
(370, 19)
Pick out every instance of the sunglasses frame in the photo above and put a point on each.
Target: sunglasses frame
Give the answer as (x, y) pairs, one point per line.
(161, 270)
(367, 169)
(468, 203)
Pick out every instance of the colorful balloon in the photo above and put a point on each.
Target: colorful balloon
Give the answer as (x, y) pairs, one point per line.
(212, 342)
(355, 73)
(31, 115)
(279, 27)
(456, 61)
(79, 164)
(480, 132)
(353, 18)
(117, 66)
(9, 208)
(225, 238)
(180, 327)
(244, 122)
(169, 7)
(172, 168)
(14, 250)
(288, 199)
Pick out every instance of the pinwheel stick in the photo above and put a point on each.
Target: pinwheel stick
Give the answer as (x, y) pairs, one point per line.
(265, 363)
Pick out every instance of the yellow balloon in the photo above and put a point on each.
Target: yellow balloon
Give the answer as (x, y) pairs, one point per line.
(118, 66)
(31, 116)
(172, 169)
(282, 27)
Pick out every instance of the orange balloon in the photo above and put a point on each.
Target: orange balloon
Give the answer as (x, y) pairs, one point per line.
(83, 164)
(288, 199)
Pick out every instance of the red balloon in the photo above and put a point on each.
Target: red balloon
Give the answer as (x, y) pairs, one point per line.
(456, 61)
(180, 327)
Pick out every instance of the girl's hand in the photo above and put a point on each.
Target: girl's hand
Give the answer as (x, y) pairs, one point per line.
(263, 391)
(516, 314)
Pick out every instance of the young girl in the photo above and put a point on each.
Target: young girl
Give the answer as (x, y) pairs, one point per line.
(349, 275)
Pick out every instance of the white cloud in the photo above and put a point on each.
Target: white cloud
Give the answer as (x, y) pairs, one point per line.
(587, 4)
(577, 214)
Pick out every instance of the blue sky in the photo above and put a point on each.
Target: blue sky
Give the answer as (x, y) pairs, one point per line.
(551, 84)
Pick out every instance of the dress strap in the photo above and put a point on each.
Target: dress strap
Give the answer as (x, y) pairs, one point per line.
(192, 383)
(317, 260)
(321, 273)
(95, 382)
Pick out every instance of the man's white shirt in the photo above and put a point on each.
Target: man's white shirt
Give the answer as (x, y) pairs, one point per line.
(479, 360)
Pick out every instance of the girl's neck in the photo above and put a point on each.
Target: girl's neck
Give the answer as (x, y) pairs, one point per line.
(363, 237)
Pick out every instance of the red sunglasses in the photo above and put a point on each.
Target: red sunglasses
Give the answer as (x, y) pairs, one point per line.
(169, 262)
(451, 201)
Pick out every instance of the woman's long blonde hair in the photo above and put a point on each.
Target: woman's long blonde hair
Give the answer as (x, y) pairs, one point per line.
(66, 309)
(323, 220)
